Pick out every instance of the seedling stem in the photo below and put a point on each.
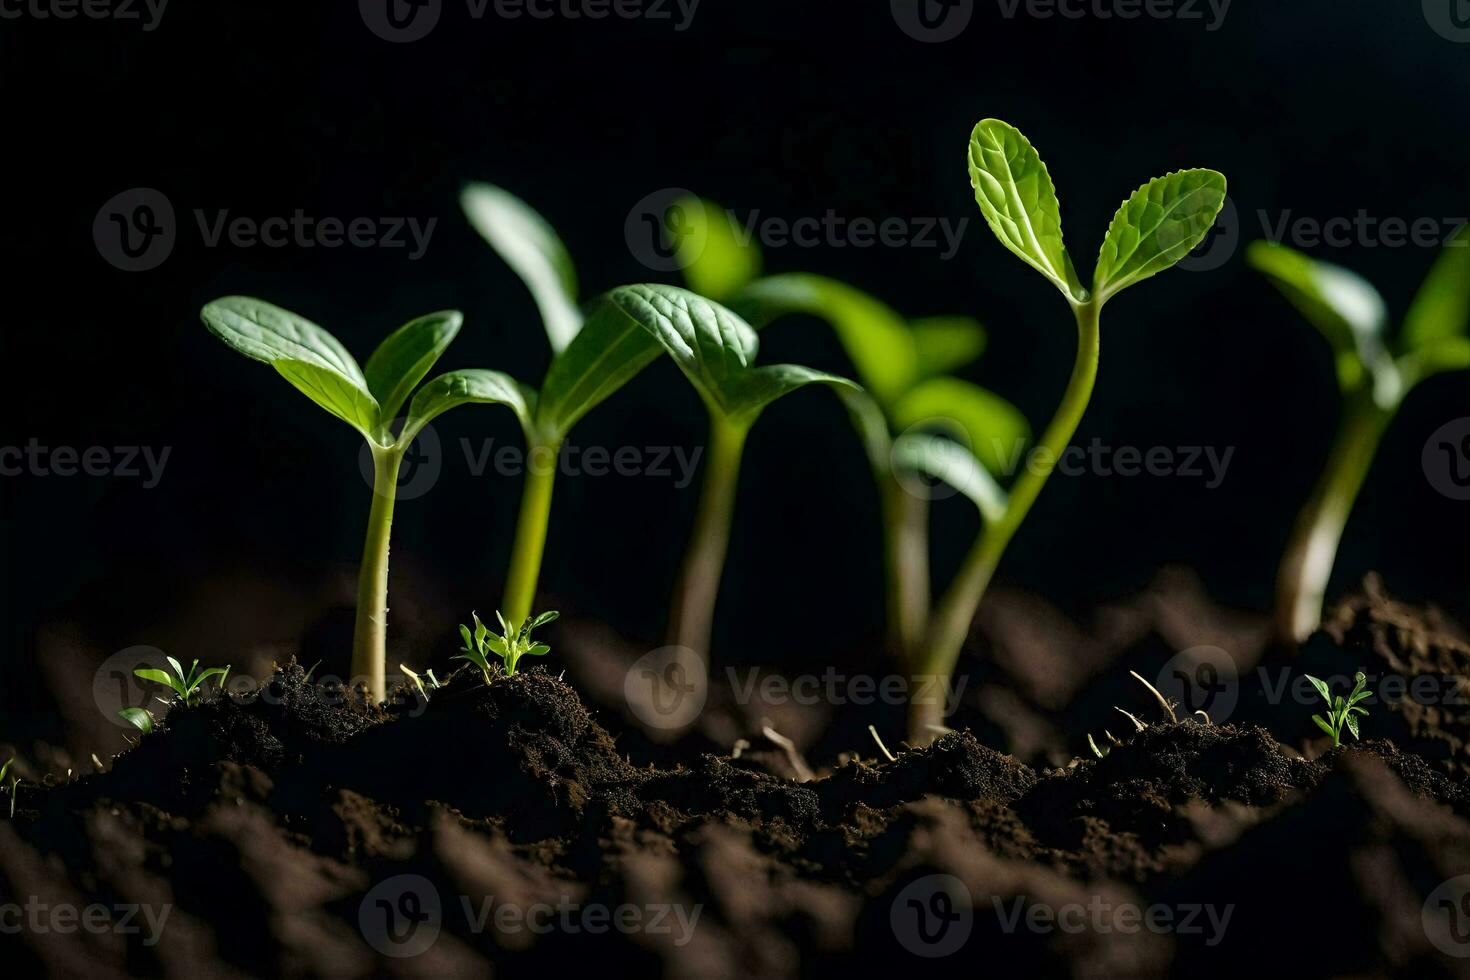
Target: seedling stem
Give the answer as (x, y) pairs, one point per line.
(370, 638)
(692, 619)
(531, 527)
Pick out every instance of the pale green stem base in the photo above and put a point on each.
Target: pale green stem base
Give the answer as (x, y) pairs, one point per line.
(691, 621)
(370, 635)
(951, 622)
(906, 528)
(530, 539)
(1306, 567)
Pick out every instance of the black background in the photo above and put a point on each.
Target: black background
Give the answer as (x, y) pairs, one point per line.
(1315, 107)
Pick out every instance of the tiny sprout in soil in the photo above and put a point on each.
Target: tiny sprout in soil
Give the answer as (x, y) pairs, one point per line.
(510, 645)
(10, 782)
(188, 685)
(1341, 711)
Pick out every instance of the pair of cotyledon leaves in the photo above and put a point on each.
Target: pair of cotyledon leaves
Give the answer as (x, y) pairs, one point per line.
(1353, 317)
(624, 331)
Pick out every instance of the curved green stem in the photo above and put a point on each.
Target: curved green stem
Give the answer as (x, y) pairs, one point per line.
(530, 539)
(692, 618)
(370, 634)
(951, 622)
(906, 529)
(1306, 567)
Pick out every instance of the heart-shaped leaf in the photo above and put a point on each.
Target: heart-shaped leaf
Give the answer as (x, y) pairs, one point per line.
(1019, 202)
(471, 386)
(716, 256)
(877, 340)
(528, 244)
(406, 357)
(1158, 225)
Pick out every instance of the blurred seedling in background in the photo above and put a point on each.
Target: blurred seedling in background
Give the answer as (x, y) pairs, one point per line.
(510, 645)
(11, 783)
(1341, 711)
(1375, 373)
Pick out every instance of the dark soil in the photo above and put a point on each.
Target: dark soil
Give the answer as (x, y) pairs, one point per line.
(500, 830)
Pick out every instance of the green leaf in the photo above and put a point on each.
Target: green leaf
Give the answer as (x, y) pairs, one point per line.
(1158, 225)
(944, 459)
(481, 630)
(497, 644)
(1019, 202)
(527, 243)
(1360, 681)
(269, 334)
(605, 355)
(1441, 309)
(879, 343)
(469, 642)
(1346, 308)
(406, 356)
(1352, 723)
(749, 395)
(709, 248)
(159, 677)
(179, 669)
(1324, 726)
(544, 618)
(538, 650)
(137, 717)
(994, 430)
(946, 343)
(712, 346)
(474, 657)
(1322, 689)
(338, 395)
(6, 768)
(471, 386)
(1357, 711)
(220, 672)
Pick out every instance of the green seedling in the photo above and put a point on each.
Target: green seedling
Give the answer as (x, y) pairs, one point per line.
(187, 685)
(1341, 711)
(510, 645)
(906, 368)
(1375, 373)
(626, 330)
(418, 680)
(11, 784)
(1156, 227)
(139, 718)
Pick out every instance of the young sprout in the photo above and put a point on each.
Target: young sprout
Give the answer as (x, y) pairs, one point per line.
(370, 400)
(11, 785)
(1156, 227)
(418, 680)
(1374, 374)
(1341, 711)
(630, 326)
(188, 685)
(512, 643)
(906, 368)
(139, 718)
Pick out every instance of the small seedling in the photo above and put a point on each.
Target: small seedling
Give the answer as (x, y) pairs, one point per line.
(1374, 374)
(1161, 223)
(11, 782)
(1341, 711)
(418, 679)
(188, 685)
(510, 645)
(139, 718)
